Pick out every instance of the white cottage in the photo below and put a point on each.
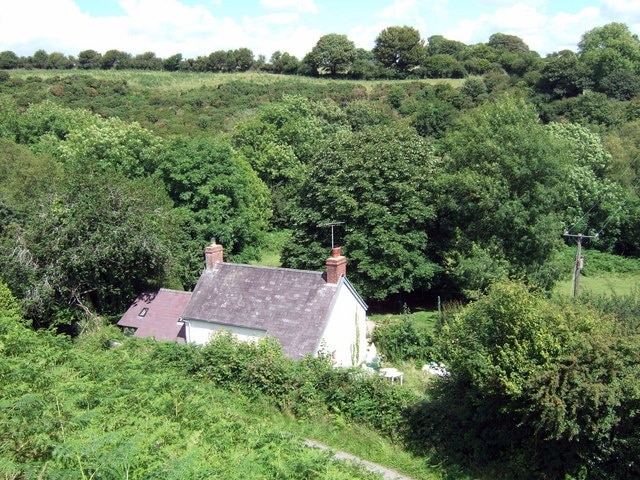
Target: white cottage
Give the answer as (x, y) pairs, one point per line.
(308, 312)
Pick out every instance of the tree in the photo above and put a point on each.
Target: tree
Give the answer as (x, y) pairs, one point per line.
(621, 84)
(284, 63)
(399, 48)
(438, 45)
(111, 143)
(475, 88)
(376, 182)
(147, 61)
(59, 61)
(508, 43)
(8, 60)
(333, 53)
(91, 245)
(280, 141)
(217, 61)
(595, 200)
(433, 117)
(89, 59)
(39, 59)
(23, 177)
(551, 381)
(172, 63)
(607, 49)
(243, 59)
(560, 75)
(442, 66)
(44, 125)
(479, 59)
(218, 194)
(115, 59)
(503, 188)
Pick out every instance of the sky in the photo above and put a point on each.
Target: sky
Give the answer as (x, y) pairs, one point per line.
(198, 27)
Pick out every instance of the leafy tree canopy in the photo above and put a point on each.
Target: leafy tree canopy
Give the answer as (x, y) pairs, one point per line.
(102, 144)
(219, 196)
(551, 381)
(502, 187)
(334, 53)
(95, 242)
(280, 140)
(376, 182)
(399, 48)
(608, 49)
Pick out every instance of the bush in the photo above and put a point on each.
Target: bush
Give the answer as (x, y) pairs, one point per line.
(402, 341)
(308, 388)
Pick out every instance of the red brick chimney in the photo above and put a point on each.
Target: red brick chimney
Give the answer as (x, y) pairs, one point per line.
(212, 255)
(336, 266)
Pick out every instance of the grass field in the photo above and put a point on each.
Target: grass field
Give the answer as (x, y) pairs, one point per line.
(603, 274)
(424, 318)
(612, 284)
(192, 80)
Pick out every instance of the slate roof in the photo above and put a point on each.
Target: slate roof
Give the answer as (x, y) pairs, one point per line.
(291, 305)
(161, 319)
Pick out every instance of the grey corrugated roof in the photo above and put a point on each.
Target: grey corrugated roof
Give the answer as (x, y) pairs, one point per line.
(291, 305)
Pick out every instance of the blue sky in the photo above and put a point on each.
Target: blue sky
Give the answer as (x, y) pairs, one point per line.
(199, 27)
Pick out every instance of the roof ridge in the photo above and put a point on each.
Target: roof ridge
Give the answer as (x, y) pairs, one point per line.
(173, 290)
(265, 267)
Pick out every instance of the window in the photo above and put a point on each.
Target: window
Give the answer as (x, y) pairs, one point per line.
(143, 312)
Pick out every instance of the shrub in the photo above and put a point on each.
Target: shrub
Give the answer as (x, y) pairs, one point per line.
(403, 341)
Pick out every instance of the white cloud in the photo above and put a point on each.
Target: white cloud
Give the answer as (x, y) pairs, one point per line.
(280, 18)
(622, 7)
(364, 36)
(166, 27)
(542, 33)
(304, 6)
(398, 10)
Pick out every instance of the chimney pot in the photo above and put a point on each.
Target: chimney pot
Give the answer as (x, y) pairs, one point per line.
(336, 266)
(212, 255)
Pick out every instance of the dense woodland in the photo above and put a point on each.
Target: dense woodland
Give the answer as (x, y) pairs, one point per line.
(451, 171)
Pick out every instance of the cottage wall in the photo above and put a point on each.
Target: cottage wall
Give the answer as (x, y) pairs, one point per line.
(345, 336)
(200, 332)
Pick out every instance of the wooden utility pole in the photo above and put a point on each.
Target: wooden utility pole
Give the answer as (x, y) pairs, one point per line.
(579, 263)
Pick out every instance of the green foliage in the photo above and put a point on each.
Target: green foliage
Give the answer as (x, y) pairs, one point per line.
(502, 190)
(218, 194)
(501, 340)
(363, 113)
(111, 143)
(333, 54)
(96, 242)
(594, 200)
(607, 49)
(279, 142)
(376, 182)
(399, 48)
(433, 117)
(23, 177)
(67, 413)
(443, 66)
(9, 306)
(549, 377)
(43, 125)
(402, 340)
(284, 63)
(560, 75)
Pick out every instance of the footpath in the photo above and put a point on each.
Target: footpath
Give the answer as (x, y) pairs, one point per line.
(387, 473)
